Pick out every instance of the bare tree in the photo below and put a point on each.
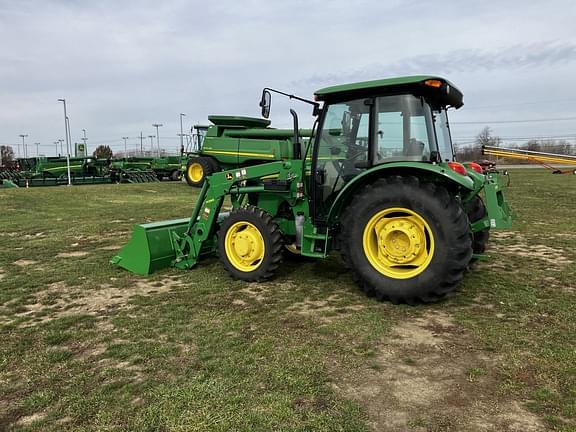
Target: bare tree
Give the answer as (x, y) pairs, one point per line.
(485, 137)
(7, 153)
(103, 152)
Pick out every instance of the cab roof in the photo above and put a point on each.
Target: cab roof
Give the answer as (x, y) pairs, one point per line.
(449, 94)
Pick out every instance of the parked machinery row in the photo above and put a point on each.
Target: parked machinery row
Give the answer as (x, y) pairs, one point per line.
(52, 171)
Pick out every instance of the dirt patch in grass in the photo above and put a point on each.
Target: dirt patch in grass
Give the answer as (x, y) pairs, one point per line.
(516, 244)
(256, 291)
(25, 262)
(67, 301)
(72, 254)
(428, 376)
(551, 256)
(324, 310)
(111, 248)
(91, 351)
(10, 234)
(34, 236)
(502, 235)
(29, 419)
(552, 282)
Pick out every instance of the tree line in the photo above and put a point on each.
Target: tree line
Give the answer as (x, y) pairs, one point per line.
(486, 137)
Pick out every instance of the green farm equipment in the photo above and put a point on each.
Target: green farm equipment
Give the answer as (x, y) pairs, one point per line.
(132, 170)
(236, 142)
(377, 182)
(145, 169)
(167, 167)
(53, 171)
(11, 174)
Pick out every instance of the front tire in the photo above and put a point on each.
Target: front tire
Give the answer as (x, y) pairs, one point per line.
(197, 169)
(250, 244)
(406, 241)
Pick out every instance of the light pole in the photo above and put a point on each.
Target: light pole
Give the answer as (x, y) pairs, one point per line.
(181, 134)
(66, 132)
(23, 144)
(125, 148)
(37, 149)
(56, 144)
(151, 142)
(61, 150)
(157, 125)
(85, 139)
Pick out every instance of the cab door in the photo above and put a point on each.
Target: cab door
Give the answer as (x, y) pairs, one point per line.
(341, 151)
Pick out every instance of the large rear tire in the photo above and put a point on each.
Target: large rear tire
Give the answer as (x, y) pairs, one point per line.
(250, 244)
(197, 169)
(406, 241)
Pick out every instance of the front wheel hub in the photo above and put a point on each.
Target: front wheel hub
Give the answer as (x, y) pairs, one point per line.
(245, 246)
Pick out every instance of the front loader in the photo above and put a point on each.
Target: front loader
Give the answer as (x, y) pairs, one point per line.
(377, 181)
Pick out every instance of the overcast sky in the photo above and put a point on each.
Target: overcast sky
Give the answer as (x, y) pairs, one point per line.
(124, 65)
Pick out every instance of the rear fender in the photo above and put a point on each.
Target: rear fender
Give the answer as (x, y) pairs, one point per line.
(429, 172)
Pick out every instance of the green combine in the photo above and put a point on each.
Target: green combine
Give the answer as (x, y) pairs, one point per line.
(376, 181)
(236, 142)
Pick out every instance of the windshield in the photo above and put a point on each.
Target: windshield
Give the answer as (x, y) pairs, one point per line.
(443, 135)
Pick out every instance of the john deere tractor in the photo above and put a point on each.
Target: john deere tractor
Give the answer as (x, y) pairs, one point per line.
(377, 182)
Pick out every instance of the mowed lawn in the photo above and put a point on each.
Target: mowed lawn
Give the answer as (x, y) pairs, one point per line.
(88, 346)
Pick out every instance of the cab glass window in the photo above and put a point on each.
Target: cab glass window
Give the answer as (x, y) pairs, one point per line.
(404, 129)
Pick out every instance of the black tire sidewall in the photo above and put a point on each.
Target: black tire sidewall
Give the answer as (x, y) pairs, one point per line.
(207, 169)
(476, 210)
(442, 272)
(247, 215)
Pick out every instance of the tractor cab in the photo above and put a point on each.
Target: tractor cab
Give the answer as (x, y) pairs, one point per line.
(366, 124)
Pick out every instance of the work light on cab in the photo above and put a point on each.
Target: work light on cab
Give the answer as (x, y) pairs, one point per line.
(433, 83)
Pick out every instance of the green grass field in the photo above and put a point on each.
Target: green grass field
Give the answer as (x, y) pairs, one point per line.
(88, 346)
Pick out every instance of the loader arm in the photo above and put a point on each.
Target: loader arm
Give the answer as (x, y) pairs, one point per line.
(181, 242)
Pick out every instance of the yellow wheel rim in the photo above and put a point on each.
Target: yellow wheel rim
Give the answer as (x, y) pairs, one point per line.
(195, 172)
(244, 246)
(398, 243)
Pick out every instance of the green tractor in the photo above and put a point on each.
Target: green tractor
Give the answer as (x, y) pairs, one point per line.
(377, 182)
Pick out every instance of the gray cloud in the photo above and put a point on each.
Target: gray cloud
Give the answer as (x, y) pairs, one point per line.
(511, 58)
(124, 65)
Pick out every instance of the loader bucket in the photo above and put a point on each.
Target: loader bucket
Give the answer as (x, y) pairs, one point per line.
(151, 247)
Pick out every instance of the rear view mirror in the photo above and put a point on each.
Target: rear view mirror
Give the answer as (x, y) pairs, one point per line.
(265, 103)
